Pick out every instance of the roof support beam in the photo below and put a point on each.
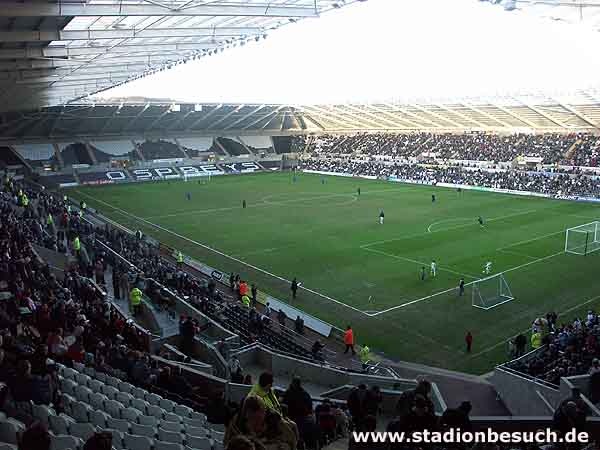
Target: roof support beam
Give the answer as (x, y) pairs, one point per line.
(543, 114)
(461, 115)
(110, 119)
(394, 123)
(137, 116)
(488, 115)
(204, 117)
(370, 122)
(416, 116)
(121, 33)
(158, 119)
(516, 116)
(389, 114)
(176, 123)
(76, 79)
(15, 9)
(328, 118)
(225, 117)
(307, 116)
(361, 122)
(580, 115)
(244, 117)
(108, 60)
(439, 116)
(270, 115)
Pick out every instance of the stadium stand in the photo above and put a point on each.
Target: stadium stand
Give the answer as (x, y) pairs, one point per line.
(35, 154)
(586, 152)
(76, 153)
(196, 147)
(284, 144)
(258, 144)
(73, 361)
(159, 149)
(232, 146)
(552, 148)
(107, 150)
(564, 350)
(545, 183)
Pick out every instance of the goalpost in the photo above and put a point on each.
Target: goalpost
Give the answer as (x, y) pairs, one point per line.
(490, 292)
(584, 239)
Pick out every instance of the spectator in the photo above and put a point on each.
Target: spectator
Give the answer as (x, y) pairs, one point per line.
(407, 398)
(349, 340)
(298, 401)
(455, 418)
(264, 429)
(241, 443)
(357, 405)
(469, 341)
(264, 391)
(36, 437)
(99, 441)
(299, 325)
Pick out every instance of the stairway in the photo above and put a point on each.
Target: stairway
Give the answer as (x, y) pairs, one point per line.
(168, 326)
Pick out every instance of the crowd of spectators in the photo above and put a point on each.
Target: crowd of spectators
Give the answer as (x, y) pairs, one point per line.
(562, 350)
(551, 147)
(46, 319)
(550, 184)
(587, 152)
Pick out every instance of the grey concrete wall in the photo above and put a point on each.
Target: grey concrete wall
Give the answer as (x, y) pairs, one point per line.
(522, 395)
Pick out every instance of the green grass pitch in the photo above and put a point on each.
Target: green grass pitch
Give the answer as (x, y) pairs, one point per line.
(331, 240)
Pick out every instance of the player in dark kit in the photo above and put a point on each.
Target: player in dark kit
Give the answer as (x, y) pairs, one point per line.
(461, 287)
(481, 222)
(432, 198)
(358, 191)
(244, 204)
(188, 195)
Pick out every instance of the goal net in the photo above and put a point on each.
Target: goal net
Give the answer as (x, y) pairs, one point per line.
(584, 239)
(490, 292)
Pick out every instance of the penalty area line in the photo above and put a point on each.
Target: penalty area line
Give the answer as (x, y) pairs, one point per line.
(422, 299)
(402, 258)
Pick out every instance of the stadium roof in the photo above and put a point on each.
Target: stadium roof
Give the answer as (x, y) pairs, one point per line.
(52, 52)
(584, 12)
(127, 118)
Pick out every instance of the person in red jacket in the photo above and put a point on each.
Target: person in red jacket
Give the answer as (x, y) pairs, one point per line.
(349, 340)
(469, 341)
(243, 288)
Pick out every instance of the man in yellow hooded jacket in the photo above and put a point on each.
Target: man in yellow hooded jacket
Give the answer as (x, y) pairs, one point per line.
(135, 299)
(264, 390)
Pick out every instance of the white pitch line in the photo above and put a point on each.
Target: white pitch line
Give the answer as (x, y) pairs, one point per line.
(410, 236)
(457, 219)
(492, 347)
(225, 255)
(531, 240)
(516, 253)
(402, 258)
(418, 300)
(266, 203)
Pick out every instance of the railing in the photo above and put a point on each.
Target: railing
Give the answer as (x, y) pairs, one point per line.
(528, 377)
(526, 357)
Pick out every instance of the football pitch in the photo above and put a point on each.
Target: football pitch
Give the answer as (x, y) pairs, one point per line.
(354, 270)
